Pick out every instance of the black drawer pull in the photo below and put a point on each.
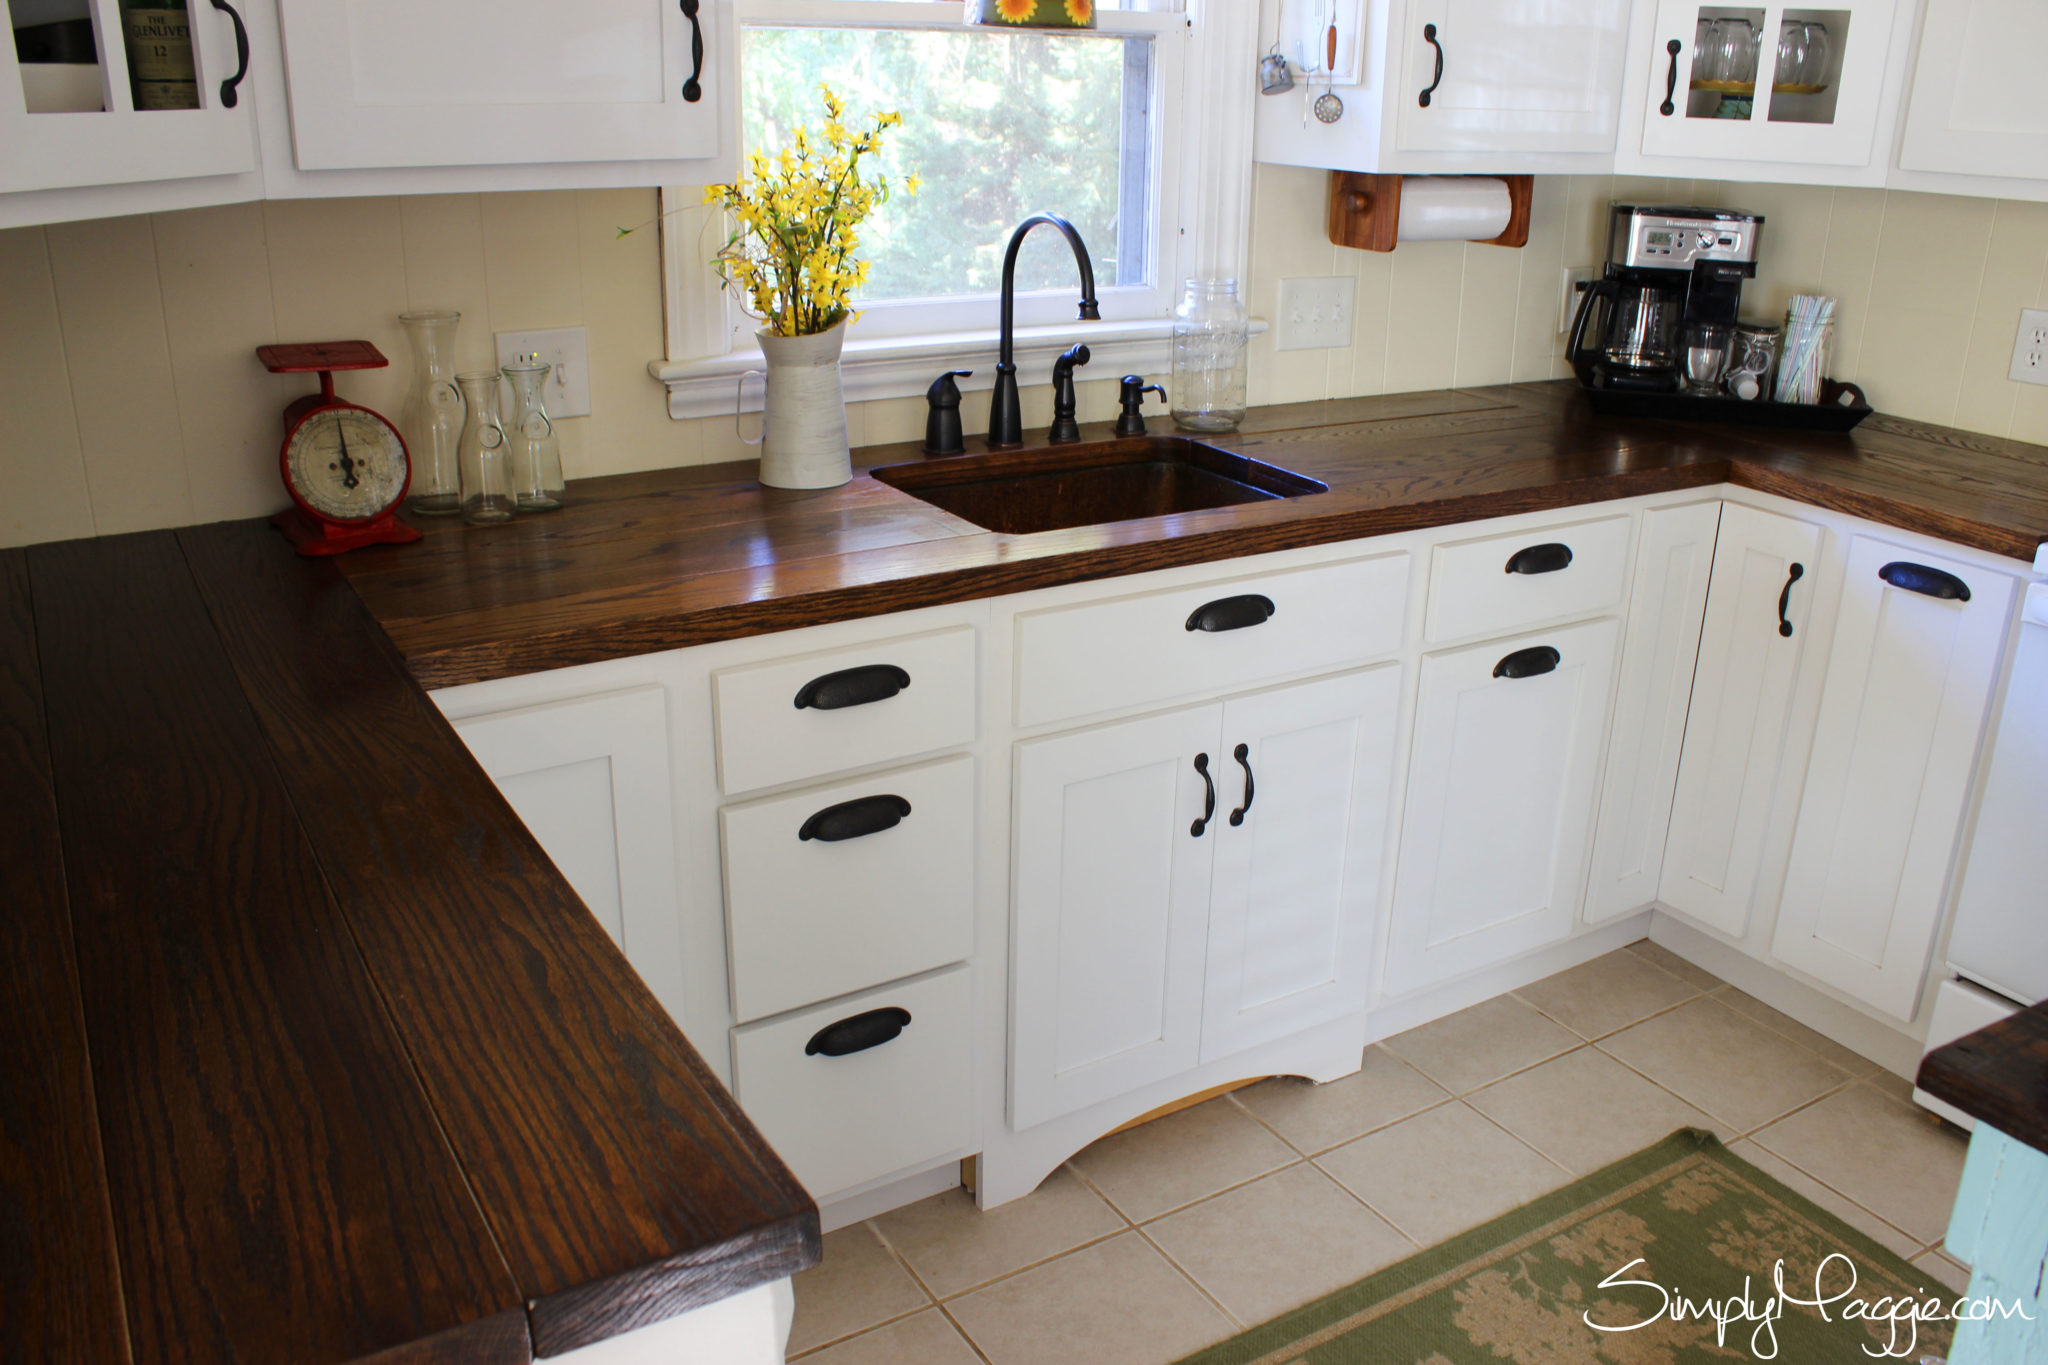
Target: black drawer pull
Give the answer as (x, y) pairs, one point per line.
(852, 687)
(1925, 581)
(1669, 106)
(1541, 558)
(852, 819)
(1208, 796)
(1243, 754)
(1797, 572)
(1429, 36)
(1532, 662)
(858, 1033)
(693, 90)
(230, 86)
(1232, 613)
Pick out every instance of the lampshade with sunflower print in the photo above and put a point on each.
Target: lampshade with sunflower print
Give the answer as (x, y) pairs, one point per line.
(1033, 13)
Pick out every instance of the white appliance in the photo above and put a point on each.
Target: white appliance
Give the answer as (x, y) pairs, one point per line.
(1998, 950)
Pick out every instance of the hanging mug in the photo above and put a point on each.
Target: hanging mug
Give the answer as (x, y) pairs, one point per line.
(1274, 75)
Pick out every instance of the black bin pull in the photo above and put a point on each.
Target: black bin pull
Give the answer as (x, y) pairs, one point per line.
(1793, 575)
(1532, 662)
(1928, 582)
(858, 1033)
(852, 819)
(852, 687)
(1232, 613)
(1547, 558)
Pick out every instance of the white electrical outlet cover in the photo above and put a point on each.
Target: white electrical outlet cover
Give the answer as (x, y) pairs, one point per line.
(565, 348)
(1568, 306)
(2030, 348)
(1315, 313)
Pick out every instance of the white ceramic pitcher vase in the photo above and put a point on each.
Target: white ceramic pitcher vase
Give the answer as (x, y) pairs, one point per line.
(803, 418)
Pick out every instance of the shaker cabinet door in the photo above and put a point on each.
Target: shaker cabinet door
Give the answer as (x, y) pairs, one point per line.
(1512, 75)
(1978, 105)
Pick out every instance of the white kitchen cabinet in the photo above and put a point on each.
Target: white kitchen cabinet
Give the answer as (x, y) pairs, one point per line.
(1917, 646)
(1510, 75)
(1653, 693)
(1501, 784)
(1977, 104)
(1763, 577)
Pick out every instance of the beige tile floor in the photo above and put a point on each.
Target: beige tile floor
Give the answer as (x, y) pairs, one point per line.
(1155, 1242)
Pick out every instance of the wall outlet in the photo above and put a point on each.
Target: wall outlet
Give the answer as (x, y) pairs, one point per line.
(1315, 313)
(1568, 305)
(2030, 350)
(565, 348)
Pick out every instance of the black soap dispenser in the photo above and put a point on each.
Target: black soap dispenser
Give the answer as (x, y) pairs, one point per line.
(942, 426)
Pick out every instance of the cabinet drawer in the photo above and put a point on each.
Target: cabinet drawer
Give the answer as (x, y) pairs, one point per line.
(1509, 583)
(808, 918)
(843, 708)
(841, 1121)
(1100, 656)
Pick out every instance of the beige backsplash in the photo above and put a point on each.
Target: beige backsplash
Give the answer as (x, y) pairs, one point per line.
(130, 397)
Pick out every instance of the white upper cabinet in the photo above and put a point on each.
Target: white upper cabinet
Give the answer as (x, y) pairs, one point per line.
(1978, 105)
(1510, 75)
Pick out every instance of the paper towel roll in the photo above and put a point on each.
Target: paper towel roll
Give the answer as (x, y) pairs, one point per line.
(1453, 208)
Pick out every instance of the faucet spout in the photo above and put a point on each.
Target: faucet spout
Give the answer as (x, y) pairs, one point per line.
(1005, 420)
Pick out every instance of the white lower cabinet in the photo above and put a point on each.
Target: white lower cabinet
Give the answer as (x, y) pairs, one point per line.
(1916, 650)
(1501, 784)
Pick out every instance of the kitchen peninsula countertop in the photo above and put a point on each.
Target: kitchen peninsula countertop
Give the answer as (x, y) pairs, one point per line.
(1998, 1075)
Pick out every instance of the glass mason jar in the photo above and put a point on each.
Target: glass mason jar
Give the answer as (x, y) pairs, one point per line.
(431, 419)
(536, 456)
(1210, 329)
(480, 454)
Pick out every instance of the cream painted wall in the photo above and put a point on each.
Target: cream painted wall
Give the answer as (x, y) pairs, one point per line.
(130, 396)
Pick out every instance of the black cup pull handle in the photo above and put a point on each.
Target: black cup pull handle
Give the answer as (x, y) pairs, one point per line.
(858, 1033)
(692, 91)
(1928, 582)
(1232, 613)
(1670, 107)
(1429, 36)
(1793, 575)
(1208, 798)
(229, 96)
(1532, 662)
(852, 687)
(1541, 558)
(852, 819)
(1243, 754)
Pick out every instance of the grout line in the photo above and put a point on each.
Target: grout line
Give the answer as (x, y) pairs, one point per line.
(965, 1336)
(1200, 1288)
(1768, 1027)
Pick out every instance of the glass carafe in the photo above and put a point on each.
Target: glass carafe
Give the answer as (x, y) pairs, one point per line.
(431, 419)
(536, 456)
(1210, 329)
(481, 456)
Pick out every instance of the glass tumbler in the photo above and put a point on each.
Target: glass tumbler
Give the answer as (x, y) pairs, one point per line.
(1802, 58)
(1706, 355)
(536, 455)
(431, 420)
(481, 455)
(1210, 331)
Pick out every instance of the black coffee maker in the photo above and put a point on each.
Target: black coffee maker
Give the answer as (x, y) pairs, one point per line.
(1666, 267)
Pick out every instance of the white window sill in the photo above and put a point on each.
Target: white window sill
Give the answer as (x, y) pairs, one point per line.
(905, 366)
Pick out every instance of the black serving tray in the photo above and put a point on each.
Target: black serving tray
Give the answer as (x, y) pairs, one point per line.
(1841, 407)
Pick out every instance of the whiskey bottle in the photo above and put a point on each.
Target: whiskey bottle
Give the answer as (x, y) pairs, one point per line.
(158, 36)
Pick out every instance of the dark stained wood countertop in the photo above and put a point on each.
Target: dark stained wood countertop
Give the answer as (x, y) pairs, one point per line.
(643, 562)
(308, 1054)
(1998, 1075)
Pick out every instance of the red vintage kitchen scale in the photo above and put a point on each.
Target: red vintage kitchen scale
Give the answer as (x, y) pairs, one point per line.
(345, 466)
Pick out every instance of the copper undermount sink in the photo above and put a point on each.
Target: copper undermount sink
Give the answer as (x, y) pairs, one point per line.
(1021, 491)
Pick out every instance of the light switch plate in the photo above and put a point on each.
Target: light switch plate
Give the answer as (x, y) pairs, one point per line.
(565, 348)
(1315, 313)
(2030, 348)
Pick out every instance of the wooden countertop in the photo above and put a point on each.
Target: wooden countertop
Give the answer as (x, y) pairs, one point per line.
(643, 562)
(307, 1052)
(1998, 1074)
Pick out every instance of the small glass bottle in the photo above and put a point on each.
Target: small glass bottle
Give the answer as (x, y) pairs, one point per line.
(431, 419)
(481, 455)
(536, 455)
(1210, 330)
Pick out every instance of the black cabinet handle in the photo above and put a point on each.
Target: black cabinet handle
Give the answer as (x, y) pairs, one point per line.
(1928, 582)
(1208, 799)
(852, 687)
(1429, 36)
(1532, 662)
(858, 1033)
(228, 95)
(852, 819)
(692, 91)
(1243, 754)
(1797, 572)
(1668, 107)
(1232, 613)
(1541, 558)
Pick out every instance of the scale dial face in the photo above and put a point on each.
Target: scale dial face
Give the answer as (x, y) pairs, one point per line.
(346, 463)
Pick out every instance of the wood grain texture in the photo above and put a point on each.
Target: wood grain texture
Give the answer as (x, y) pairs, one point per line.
(60, 1292)
(279, 1185)
(1998, 1074)
(621, 1181)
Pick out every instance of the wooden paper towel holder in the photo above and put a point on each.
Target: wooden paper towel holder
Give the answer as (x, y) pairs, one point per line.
(1365, 210)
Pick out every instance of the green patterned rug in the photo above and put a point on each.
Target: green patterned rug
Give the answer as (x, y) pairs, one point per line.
(1680, 1233)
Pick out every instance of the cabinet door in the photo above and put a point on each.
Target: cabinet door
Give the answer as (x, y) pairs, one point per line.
(1500, 800)
(1741, 698)
(1516, 75)
(1305, 782)
(1978, 105)
(1902, 714)
(1110, 917)
(378, 83)
(589, 777)
(1657, 657)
